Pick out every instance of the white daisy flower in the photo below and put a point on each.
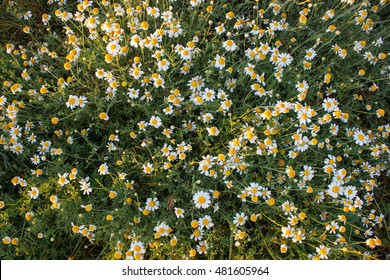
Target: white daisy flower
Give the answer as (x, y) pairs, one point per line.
(202, 199)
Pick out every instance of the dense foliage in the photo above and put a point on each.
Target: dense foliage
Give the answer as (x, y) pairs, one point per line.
(194, 129)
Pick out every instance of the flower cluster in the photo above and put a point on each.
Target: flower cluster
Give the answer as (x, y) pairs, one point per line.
(164, 130)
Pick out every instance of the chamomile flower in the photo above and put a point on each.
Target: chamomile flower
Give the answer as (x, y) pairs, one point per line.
(302, 86)
(207, 117)
(220, 62)
(201, 199)
(155, 121)
(288, 206)
(63, 179)
(91, 22)
(333, 227)
(113, 48)
(133, 93)
(197, 235)
(82, 101)
(240, 219)
(153, 11)
(310, 54)
(162, 229)
(307, 173)
(323, 252)
(330, 104)
(220, 29)
(6, 240)
(288, 232)
(299, 236)
(137, 247)
(33, 193)
(158, 82)
(360, 138)
(179, 212)
(202, 247)
(72, 101)
(229, 45)
(213, 131)
(135, 41)
(284, 59)
(380, 113)
(186, 54)
(163, 65)
(205, 222)
(152, 204)
(85, 186)
(103, 169)
(3, 100)
(104, 116)
(136, 71)
(148, 168)
(335, 189)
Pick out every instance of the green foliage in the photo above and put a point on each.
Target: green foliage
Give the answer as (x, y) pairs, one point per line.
(194, 129)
